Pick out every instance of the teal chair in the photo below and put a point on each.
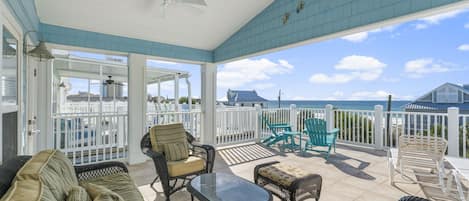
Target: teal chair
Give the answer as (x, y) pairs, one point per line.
(277, 130)
(319, 136)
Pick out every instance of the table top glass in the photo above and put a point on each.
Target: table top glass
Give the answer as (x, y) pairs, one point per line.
(226, 187)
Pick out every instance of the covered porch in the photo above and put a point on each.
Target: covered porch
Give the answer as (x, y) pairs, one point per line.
(35, 120)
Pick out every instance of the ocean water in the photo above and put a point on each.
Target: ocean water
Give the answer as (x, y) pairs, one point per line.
(351, 105)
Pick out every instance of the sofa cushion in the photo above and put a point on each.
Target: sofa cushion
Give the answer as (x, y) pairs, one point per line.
(53, 170)
(78, 193)
(8, 172)
(164, 134)
(120, 183)
(186, 166)
(176, 151)
(101, 193)
(24, 190)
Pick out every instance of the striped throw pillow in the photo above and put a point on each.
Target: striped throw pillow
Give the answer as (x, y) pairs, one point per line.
(78, 193)
(176, 151)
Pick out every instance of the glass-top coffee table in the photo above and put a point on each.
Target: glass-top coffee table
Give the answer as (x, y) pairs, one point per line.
(226, 187)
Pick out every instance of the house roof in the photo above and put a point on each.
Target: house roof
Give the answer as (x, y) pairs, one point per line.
(436, 107)
(464, 89)
(244, 96)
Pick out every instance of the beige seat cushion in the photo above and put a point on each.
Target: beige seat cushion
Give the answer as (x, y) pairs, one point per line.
(101, 193)
(120, 183)
(52, 170)
(165, 134)
(282, 174)
(78, 193)
(187, 166)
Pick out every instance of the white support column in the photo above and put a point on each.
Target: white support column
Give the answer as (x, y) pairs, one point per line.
(1, 98)
(329, 117)
(453, 131)
(379, 126)
(45, 138)
(293, 119)
(176, 92)
(137, 106)
(208, 107)
(258, 123)
(189, 94)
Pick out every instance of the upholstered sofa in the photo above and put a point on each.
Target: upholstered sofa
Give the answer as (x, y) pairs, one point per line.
(50, 176)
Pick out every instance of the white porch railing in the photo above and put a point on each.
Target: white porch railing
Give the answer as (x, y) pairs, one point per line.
(85, 140)
(91, 138)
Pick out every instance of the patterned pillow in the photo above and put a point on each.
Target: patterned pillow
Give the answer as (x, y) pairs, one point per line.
(176, 151)
(101, 193)
(78, 193)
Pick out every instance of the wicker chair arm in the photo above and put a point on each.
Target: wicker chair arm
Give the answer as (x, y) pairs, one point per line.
(85, 172)
(209, 152)
(161, 166)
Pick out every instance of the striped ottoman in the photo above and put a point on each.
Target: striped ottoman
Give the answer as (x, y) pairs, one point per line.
(287, 182)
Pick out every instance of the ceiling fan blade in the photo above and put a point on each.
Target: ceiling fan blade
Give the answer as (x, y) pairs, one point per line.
(194, 2)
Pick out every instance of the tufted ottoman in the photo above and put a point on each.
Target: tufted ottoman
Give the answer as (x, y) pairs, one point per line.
(287, 182)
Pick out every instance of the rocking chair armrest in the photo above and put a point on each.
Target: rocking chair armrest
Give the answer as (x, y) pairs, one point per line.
(85, 172)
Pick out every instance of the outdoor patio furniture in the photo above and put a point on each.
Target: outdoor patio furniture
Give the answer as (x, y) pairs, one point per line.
(412, 198)
(226, 187)
(292, 135)
(319, 136)
(277, 130)
(422, 153)
(288, 182)
(49, 175)
(176, 156)
(453, 187)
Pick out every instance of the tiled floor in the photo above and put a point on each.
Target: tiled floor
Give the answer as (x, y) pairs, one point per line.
(351, 174)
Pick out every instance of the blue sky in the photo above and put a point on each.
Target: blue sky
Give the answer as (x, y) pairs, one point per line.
(406, 60)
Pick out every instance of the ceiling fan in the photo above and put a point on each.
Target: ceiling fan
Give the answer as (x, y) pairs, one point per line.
(110, 81)
(196, 5)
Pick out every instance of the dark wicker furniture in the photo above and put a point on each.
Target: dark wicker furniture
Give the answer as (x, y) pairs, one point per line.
(287, 185)
(170, 183)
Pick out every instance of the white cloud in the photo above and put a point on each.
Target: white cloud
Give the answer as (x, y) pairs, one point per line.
(262, 86)
(338, 93)
(391, 79)
(358, 67)
(362, 36)
(464, 47)
(356, 38)
(369, 95)
(436, 19)
(466, 26)
(247, 71)
(419, 67)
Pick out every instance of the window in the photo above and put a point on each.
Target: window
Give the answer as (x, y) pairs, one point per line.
(9, 79)
(447, 95)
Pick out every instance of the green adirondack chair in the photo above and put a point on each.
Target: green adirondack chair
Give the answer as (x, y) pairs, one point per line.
(319, 136)
(277, 130)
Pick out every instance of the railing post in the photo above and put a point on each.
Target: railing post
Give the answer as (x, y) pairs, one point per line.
(329, 117)
(453, 131)
(258, 123)
(293, 119)
(378, 130)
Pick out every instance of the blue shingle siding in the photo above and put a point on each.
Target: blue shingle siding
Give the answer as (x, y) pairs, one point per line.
(319, 18)
(80, 38)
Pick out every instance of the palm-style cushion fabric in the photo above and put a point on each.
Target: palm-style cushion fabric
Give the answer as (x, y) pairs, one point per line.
(120, 183)
(78, 193)
(186, 166)
(176, 151)
(49, 175)
(282, 174)
(161, 135)
(101, 193)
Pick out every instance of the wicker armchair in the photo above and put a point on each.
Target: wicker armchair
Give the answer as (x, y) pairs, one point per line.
(206, 152)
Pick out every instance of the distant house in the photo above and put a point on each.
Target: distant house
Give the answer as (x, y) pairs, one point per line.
(441, 98)
(244, 98)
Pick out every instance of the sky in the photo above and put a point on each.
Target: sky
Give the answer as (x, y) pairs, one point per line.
(406, 60)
